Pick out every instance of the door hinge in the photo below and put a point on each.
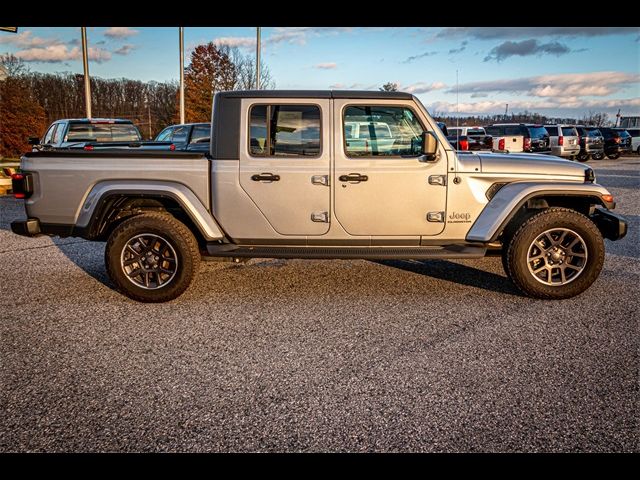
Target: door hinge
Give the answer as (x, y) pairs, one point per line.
(438, 180)
(320, 217)
(437, 217)
(320, 180)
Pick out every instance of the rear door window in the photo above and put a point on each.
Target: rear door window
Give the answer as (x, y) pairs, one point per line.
(57, 136)
(180, 134)
(284, 130)
(200, 134)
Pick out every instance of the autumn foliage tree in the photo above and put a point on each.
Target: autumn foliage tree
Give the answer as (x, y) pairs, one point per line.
(22, 117)
(211, 70)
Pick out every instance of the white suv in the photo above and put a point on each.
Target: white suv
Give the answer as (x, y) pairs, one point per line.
(563, 140)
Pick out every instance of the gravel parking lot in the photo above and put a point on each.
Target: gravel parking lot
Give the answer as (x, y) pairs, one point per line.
(338, 355)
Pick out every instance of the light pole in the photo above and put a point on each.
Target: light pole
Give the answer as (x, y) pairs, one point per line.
(181, 74)
(87, 83)
(258, 58)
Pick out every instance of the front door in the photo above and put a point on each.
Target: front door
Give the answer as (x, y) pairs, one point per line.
(381, 186)
(284, 166)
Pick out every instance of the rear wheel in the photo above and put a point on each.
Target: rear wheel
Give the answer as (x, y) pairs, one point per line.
(557, 253)
(613, 156)
(583, 157)
(152, 257)
(597, 156)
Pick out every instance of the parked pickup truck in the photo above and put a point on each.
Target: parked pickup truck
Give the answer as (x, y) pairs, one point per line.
(282, 181)
(94, 134)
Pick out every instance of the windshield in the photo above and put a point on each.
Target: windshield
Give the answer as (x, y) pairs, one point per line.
(103, 132)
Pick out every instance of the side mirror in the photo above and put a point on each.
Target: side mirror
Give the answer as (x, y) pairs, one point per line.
(429, 146)
(34, 140)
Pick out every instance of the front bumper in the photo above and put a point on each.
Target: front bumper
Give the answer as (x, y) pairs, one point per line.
(27, 228)
(612, 225)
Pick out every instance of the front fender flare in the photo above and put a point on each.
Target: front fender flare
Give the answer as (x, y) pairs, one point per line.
(177, 191)
(510, 198)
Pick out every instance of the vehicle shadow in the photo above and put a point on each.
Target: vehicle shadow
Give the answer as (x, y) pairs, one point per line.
(456, 273)
(86, 255)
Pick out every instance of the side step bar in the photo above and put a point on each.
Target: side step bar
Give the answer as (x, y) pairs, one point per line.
(377, 253)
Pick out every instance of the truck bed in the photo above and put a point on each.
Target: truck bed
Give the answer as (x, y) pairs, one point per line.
(65, 178)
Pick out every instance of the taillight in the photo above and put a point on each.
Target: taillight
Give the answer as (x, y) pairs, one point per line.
(88, 147)
(527, 144)
(464, 144)
(560, 141)
(172, 147)
(501, 144)
(22, 185)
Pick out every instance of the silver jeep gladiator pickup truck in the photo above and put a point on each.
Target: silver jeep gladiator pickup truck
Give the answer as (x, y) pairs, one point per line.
(287, 177)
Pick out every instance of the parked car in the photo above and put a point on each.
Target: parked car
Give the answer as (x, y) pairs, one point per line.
(563, 140)
(476, 137)
(188, 136)
(78, 132)
(591, 143)
(297, 190)
(519, 137)
(616, 142)
(94, 134)
(635, 137)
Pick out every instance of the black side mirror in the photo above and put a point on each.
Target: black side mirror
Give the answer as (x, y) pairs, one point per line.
(34, 140)
(429, 146)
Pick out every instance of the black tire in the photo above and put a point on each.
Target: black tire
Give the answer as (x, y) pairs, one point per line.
(583, 157)
(597, 156)
(638, 151)
(181, 244)
(515, 256)
(613, 156)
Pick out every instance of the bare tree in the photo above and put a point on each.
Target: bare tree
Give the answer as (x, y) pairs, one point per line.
(246, 70)
(13, 66)
(597, 119)
(389, 87)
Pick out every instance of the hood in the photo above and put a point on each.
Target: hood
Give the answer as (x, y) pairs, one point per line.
(530, 163)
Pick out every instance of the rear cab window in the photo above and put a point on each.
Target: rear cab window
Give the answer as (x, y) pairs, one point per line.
(102, 132)
(284, 130)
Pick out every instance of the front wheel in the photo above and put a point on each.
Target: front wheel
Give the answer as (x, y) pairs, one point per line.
(613, 156)
(597, 156)
(555, 254)
(152, 257)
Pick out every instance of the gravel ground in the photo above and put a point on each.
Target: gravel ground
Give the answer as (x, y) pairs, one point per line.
(301, 355)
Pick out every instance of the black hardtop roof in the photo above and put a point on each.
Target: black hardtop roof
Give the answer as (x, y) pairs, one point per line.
(364, 94)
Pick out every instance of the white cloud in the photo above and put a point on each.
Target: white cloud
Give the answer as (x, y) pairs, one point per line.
(298, 35)
(61, 53)
(120, 32)
(568, 84)
(326, 66)
(242, 42)
(27, 40)
(492, 33)
(422, 87)
(125, 49)
(497, 106)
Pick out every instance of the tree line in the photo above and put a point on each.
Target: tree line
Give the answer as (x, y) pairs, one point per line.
(30, 101)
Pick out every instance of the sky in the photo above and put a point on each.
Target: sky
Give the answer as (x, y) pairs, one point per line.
(556, 71)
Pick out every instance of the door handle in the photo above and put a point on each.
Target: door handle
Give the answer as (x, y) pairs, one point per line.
(353, 177)
(265, 177)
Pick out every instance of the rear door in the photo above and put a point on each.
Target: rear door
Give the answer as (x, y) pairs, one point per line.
(284, 162)
(381, 187)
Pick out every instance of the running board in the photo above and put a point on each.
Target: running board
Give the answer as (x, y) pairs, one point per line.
(377, 253)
